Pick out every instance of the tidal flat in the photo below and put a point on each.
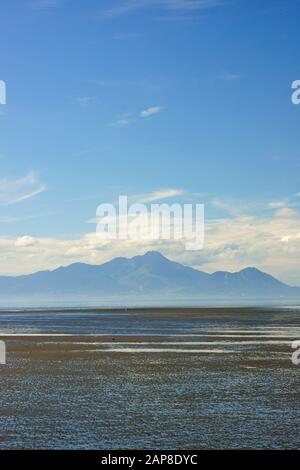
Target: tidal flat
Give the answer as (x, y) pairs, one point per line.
(155, 378)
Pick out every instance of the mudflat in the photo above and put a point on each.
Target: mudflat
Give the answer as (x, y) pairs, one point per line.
(157, 378)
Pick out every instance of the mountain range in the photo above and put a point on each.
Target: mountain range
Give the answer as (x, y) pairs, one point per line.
(151, 273)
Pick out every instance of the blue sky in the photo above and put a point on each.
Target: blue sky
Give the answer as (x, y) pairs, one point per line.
(135, 96)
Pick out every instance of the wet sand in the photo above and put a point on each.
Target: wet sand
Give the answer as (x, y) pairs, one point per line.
(151, 379)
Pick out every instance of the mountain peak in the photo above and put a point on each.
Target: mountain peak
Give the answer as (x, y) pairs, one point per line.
(250, 270)
(151, 258)
(154, 255)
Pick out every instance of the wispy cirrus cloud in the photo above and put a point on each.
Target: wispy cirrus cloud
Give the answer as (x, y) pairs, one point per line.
(282, 207)
(230, 206)
(150, 111)
(85, 100)
(21, 189)
(276, 204)
(149, 84)
(160, 195)
(124, 120)
(13, 219)
(129, 6)
(45, 4)
(128, 118)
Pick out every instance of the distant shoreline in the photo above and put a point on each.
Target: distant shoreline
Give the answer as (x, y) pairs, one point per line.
(151, 309)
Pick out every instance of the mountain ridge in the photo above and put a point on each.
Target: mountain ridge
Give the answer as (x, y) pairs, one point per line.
(145, 274)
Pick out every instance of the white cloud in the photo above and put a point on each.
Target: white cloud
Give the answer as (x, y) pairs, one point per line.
(271, 244)
(232, 242)
(13, 191)
(19, 218)
(129, 6)
(276, 204)
(285, 212)
(150, 111)
(123, 122)
(231, 206)
(160, 195)
(25, 241)
(127, 118)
